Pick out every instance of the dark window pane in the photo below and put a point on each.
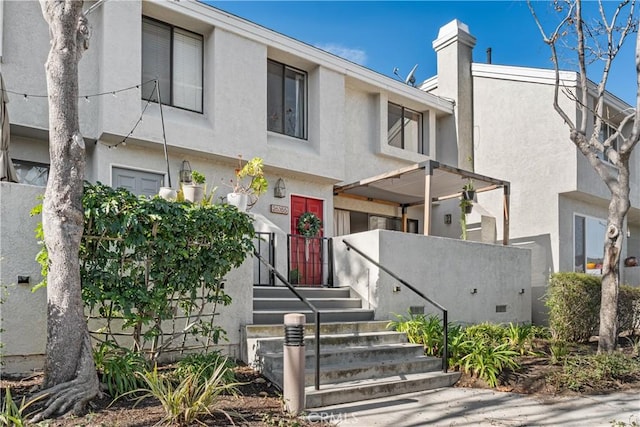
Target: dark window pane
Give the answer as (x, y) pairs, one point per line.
(394, 125)
(275, 92)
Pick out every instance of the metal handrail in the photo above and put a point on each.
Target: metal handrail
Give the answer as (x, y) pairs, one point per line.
(316, 313)
(445, 361)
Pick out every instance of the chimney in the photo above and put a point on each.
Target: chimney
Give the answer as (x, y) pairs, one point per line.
(454, 47)
(488, 55)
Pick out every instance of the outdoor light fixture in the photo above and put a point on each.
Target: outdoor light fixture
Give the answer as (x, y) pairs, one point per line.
(521, 291)
(447, 218)
(474, 291)
(185, 172)
(280, 190)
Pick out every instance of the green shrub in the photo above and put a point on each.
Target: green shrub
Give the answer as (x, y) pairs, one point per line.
(628, 308)
(207, 364)
(195, 396)
(487, 361)
(596, 372)
(14, 415)
(421, 329)
(520, 338)
(491, 333)
(573, 300)
(458, 346)
(558, 350)
(118, 368)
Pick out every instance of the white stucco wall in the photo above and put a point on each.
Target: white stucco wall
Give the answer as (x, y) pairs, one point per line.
(445, 270)
(23, 315)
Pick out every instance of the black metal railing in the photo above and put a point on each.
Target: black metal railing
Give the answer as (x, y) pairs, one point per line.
(445, 353)
(315, 311)
(310, 260)
(265, 245)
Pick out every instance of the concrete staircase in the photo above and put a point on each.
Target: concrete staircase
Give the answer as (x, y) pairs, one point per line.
(271, 303)
(359, 360)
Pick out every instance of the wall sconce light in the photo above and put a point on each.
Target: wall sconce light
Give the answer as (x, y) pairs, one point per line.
(280, 190)
(474, 291)
(185, 172)
(447, 219)
(521, 291)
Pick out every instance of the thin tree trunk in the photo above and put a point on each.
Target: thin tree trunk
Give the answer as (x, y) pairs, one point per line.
(70, 376)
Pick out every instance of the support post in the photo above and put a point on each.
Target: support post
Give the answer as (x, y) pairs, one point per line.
(294, 363)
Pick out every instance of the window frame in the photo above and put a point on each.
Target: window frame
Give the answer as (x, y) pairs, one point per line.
(606, 130)
(420, 147)
(172, 29)
(585, 219)
(31, 164)
(305, 113)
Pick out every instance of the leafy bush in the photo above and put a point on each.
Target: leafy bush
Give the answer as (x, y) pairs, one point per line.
(490, 333)
(12, 414)
(196, 394)
(596, 372)
(558, 350)
(628, 308)
(520, 338)
(147, 260)
(118, 368)
(573, 300)
(207, 363)
(487, 361)
(421, 329)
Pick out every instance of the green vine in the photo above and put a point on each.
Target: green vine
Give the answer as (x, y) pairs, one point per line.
(146, 261)
(309, 224)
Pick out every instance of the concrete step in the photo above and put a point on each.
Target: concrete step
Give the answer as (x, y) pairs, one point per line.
(328, 328)
(267, 317)
(272, 361)
(294, 304)
(358, 390)
(328, 342)
(305, 291)
(333, 374)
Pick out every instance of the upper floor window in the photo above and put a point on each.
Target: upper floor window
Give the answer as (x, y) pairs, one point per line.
(286, 100)
(588, 237)
(605, 132)
(405, 128)
(174, 57)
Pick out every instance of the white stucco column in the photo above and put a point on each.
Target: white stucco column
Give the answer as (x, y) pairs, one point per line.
(454, 47)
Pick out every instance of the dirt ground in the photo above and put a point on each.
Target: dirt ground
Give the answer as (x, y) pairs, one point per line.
(260, 402)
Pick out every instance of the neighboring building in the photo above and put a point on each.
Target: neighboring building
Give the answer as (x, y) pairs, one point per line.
(558, 203)
(324, 126)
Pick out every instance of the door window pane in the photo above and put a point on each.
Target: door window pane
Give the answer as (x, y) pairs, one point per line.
(589, 244)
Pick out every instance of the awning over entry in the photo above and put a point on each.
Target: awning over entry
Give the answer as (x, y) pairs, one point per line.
(430, 180)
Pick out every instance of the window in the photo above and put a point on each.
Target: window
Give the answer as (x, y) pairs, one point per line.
(286, 100)
(589, 244)
(139, 182)
(605, 132)
(31, 173)
(404, 128)
(174, 57)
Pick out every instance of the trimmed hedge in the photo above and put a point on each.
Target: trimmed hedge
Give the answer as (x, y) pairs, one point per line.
(573, 300)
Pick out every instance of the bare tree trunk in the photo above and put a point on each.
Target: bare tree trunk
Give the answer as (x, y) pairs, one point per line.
(70, 375)
(608, 36)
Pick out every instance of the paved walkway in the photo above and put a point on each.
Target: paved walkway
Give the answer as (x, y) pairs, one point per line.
(479, 407)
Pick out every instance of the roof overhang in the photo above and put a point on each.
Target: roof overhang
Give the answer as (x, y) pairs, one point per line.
(415, 184)
(407, 186)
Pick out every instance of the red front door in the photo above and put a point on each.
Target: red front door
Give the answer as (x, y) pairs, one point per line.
(306, 253)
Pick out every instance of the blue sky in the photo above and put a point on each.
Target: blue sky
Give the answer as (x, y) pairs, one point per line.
(382, 35)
